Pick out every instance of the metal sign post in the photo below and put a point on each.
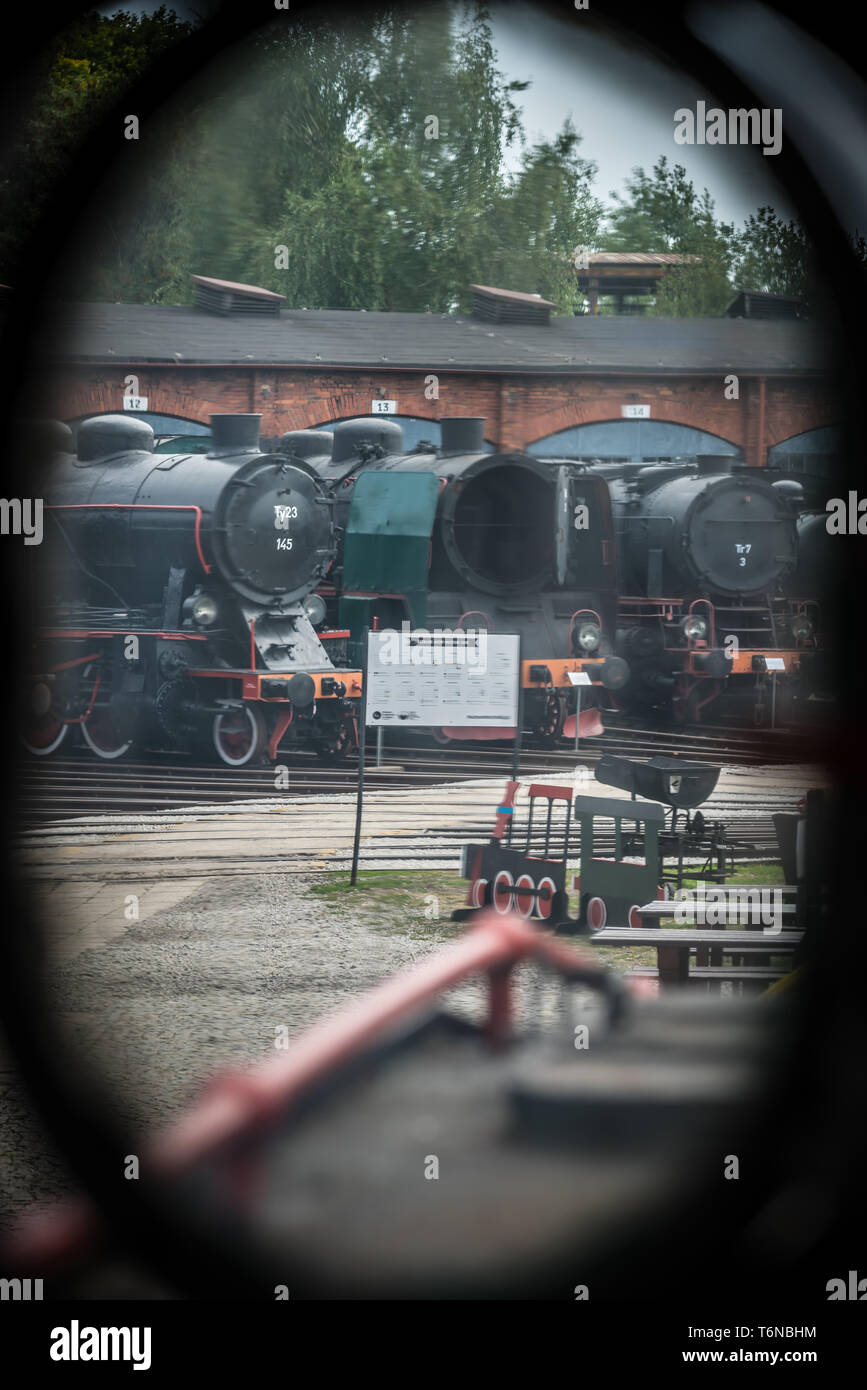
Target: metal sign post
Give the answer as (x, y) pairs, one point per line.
(774, 664)
(519, 729)
(362, 740)
(578, 679)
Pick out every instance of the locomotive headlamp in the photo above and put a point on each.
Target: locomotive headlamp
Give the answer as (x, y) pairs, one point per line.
(802, 628)
(314, 607)
(588, 636)
(694, 628)
(204, 610)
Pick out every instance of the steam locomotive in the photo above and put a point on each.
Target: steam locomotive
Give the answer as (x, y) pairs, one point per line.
(460, 538)
(707, 552)
(177, 604)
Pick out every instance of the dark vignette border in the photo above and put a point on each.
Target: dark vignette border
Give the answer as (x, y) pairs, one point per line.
(818, 1120)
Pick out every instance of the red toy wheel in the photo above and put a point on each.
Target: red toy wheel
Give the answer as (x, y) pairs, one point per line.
(597, 914)
(503, 892)
(478, 891)
(545, 900)
(524, 896)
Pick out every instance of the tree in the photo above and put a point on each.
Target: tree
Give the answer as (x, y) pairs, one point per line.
(775, 257)
(664, 212)
(84, 71)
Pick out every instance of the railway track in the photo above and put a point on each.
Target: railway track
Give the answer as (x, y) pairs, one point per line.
(78, 785)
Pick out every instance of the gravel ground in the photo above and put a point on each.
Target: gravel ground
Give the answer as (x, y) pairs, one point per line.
(156, 1010)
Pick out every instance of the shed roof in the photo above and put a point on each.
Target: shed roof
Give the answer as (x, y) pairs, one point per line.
(588, 344)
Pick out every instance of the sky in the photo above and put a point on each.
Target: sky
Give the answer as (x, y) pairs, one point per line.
(621, 101)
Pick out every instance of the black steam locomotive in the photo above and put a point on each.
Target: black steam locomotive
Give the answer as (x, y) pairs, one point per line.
(706, 550)
(177, 604)
(461, 538)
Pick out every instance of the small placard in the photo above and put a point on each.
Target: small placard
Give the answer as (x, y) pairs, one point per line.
(383, 407)
(635, 412)
(135, 402)
(579, 678)
(775, 663)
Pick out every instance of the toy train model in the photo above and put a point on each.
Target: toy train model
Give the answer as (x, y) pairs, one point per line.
(621, 869)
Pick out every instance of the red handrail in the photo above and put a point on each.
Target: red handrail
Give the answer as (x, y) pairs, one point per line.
(239, 1101)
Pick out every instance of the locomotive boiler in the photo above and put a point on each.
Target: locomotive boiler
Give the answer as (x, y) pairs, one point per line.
(461, 538)
(178, 605)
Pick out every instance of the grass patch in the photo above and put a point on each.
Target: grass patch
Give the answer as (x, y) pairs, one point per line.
(418, 903)
(415, 902)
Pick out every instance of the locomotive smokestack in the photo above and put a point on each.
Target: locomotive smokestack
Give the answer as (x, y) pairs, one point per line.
(462, 434)
(715, 463)
(234, 434)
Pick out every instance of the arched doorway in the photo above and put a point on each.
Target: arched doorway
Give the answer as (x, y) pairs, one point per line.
(814, 457)
(623, 441)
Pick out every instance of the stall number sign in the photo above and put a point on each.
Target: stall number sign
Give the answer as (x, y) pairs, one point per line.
(135, 402)
(635, 412)
(457, 679)
(383, 407)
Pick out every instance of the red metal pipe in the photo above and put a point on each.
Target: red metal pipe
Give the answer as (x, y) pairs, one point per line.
(241, 1100)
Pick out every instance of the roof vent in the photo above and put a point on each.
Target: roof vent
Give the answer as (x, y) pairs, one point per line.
(755, 304)
(105, 435)
(716, 463)
(226, 297)
(507, 306)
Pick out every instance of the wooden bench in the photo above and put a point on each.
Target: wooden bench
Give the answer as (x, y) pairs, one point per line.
(759, 976)
(675, 945)
(652, 914)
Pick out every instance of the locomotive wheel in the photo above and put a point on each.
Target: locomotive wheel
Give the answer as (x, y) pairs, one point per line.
(43, 731)
(441, 738)
(102, 738)
(240, 735)
(547, 727)
(341, 741)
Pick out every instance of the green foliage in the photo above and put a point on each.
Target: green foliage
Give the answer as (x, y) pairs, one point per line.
(374, 153)
(775, 257)
(85, 69)
(664, 212)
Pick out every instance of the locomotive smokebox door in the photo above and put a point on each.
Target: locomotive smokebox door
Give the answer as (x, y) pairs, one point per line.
(272, 530)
